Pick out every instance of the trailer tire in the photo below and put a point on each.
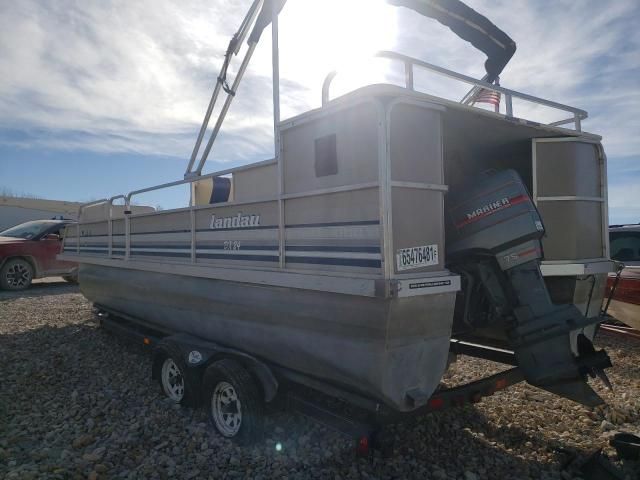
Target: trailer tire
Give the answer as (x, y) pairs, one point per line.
(177, 382)
(234, 401)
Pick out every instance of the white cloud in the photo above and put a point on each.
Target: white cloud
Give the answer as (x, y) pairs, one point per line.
(136, 76)
(123, 75)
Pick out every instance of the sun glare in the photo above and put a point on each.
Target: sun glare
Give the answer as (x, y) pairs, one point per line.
(318, 36)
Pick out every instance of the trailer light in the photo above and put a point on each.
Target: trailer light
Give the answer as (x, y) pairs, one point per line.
(146, 341)
(436, 403)
(501, 384)
(363, 446)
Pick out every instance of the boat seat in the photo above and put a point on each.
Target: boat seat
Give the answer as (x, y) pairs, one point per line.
(212, 191)
(221, 190)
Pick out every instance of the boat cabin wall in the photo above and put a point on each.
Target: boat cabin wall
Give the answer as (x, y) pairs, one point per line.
(366, 178)
(330, 168)
(417, 187)
(570, 192)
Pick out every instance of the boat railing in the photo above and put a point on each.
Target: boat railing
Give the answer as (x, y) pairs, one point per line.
(128, 206)
(194, 179)
(577, 115)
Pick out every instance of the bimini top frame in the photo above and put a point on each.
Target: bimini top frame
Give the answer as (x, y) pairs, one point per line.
(462, 20)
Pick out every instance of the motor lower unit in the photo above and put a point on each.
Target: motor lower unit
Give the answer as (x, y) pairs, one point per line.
(494, 236)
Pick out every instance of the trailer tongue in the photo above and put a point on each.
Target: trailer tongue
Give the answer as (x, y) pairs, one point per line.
(493, 242)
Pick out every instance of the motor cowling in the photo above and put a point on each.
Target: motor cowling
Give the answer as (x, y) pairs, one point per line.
(493, 241)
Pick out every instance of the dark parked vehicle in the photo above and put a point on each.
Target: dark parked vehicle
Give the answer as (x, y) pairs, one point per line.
(29, 251)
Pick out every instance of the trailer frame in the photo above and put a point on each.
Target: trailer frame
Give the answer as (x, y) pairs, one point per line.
(290, 391)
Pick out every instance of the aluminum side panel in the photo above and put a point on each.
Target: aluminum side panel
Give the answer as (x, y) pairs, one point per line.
(382, 348)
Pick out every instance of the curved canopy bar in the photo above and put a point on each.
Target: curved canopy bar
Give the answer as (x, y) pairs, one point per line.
(470, 26)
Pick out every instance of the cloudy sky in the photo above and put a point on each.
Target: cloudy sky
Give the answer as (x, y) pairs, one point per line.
(100, 97)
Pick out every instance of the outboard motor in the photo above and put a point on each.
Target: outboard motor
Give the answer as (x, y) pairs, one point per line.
(493, 242)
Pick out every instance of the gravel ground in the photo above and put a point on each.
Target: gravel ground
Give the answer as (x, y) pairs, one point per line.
(77, 402)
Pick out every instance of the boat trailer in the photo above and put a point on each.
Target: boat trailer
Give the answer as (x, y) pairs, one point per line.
(286, 390)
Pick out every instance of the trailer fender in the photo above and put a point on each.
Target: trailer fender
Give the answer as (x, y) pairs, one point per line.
(198, 354)
(260, 370)
(263, 374)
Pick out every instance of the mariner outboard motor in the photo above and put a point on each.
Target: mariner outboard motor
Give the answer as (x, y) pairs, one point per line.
(493, 242)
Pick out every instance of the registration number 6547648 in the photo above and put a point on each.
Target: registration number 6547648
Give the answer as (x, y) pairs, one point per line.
(415, 257)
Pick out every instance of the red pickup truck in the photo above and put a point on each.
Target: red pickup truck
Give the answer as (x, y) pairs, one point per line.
(29, 251)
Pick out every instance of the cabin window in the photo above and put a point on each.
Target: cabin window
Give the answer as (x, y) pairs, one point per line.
(326, 156)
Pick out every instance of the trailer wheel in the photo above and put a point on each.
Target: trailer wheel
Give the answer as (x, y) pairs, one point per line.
(172, 380)
(234, 401)
(179, 382)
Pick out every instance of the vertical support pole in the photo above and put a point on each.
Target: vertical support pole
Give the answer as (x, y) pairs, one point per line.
(577, 122)
(127, 228)
(604, 192)
(534, 170)
(192, 220)
(110, 228)
(275, 61)
(408, 75)
(384, 186)
(509, 103)
(78, 234)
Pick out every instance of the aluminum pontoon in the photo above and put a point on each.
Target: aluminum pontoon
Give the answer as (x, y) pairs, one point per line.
(389, 223)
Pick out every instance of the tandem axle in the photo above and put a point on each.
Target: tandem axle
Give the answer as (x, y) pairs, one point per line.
(238, 389)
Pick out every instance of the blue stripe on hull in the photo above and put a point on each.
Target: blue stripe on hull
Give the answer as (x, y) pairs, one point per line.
(214, 256)
(335, 224)
(318, 248)
(345, 262)
(310, 248)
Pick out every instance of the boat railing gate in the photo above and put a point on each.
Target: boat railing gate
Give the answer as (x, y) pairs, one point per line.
(410, 63)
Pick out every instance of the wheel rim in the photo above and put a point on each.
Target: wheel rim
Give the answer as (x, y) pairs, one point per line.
(172, 380)
(18, 275)
(226, 409)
